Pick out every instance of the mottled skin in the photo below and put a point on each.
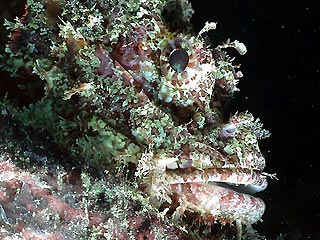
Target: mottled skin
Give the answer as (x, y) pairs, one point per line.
(136, 103)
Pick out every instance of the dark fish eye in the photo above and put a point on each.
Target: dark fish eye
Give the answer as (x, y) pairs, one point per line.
(179, 60)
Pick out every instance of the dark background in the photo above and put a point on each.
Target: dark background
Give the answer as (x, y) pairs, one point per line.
(281, 86)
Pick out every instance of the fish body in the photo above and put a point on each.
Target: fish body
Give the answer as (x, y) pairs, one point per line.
(144, 89)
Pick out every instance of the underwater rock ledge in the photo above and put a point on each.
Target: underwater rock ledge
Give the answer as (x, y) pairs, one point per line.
(48, 195)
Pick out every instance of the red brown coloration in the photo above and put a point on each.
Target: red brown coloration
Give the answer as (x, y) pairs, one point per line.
(218, 203)
(38, 207)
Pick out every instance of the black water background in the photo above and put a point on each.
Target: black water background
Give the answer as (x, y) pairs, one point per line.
(281, 86)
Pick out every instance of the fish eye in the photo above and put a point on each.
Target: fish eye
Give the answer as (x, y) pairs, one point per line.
(179, 60)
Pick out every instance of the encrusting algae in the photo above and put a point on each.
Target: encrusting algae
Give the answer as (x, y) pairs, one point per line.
(128, 83)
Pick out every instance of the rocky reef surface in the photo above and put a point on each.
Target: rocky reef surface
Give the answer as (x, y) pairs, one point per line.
(45, 194)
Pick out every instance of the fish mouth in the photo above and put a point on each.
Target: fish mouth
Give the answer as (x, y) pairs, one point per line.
(217, 203)
(241, 188)
(244, 181)
(223, 195)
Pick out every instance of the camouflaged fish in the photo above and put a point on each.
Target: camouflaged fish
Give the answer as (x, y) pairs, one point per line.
(141, 87)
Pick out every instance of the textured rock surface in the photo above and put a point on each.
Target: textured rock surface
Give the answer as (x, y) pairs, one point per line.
(45, 195)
